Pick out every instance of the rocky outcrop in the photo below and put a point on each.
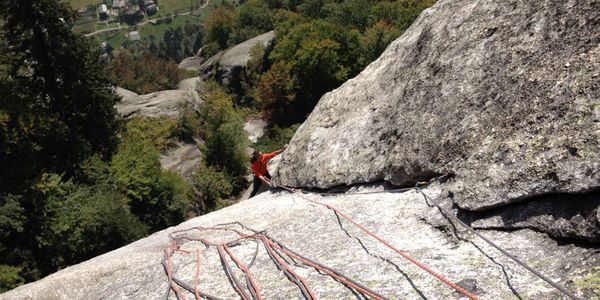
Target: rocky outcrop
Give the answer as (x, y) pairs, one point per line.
(189, 84)
(405, 220)
(562, 216)
(164, 103)
(183, 159)
(255, 128)
(227, 66)
(124, 93)
(504, 95)
(192, 63)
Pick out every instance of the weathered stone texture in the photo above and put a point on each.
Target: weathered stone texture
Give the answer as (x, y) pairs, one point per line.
(228, 66)
(163, 103)
(504, 94)
(135, 271)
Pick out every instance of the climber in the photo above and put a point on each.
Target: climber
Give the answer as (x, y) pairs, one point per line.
(259, 168)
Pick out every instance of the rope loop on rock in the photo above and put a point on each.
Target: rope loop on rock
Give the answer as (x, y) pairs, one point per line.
(275, 250)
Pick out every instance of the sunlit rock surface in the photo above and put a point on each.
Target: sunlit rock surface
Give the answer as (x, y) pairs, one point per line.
(405, 220)
(503, 94)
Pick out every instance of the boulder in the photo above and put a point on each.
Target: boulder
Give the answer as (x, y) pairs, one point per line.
(227, 66)
(124, 93)
(192, 63)
(135, 271)
(189, 84)
(163, 103)
(255, 128)
(504, 95)
(184, 159)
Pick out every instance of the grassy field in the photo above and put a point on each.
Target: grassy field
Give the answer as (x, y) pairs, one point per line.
(77, 4)
(177, 6)
(116, 38)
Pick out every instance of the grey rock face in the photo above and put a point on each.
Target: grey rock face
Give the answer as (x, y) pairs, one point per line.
(189, 84)
(504, 94)
(228, 66)
(135, 271)
(164, 103)
(192, 63)
(124, 93)
(184, 159)
(561, 216)
(255, 128)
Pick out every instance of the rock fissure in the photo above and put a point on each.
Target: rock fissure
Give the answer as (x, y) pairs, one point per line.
(362, 245)
(560, 215)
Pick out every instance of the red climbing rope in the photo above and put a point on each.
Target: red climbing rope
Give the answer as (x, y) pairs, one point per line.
(414, 261)
(274, 249)
(246, 270)
(197, 274)
(172, 248)
(331, 273)
(269, 248)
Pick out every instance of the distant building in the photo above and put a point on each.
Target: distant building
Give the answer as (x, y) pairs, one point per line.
(133, 35)
(131, 16)
(103, 12)
(118, 4)
(151, 9)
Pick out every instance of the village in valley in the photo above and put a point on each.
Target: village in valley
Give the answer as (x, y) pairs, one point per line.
(126, 11)
(114, 22)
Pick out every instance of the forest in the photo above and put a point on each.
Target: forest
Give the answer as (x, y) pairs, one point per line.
(77, 180)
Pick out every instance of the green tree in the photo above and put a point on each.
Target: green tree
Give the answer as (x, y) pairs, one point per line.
(82, 222)
(252, 18)
(136, 169)
(213, 186)
(351, 13)
(399, 13)
(9, 277)
(275, 94)
(144, 74)
(376, 39)
(157, 198)
(312, 8)
(58, 104)
(225, 138)
(161, 132)
(309, 59)
(219, 27)
(173, 43)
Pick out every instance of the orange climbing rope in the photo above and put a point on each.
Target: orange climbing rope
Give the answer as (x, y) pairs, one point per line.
(386, 243)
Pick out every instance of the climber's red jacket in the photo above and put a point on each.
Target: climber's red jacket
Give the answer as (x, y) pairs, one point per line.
(259, 167)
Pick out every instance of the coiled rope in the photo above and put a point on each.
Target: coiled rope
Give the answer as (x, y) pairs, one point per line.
(274, 249)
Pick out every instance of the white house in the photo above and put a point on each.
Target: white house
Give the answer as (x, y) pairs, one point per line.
(103, 11)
